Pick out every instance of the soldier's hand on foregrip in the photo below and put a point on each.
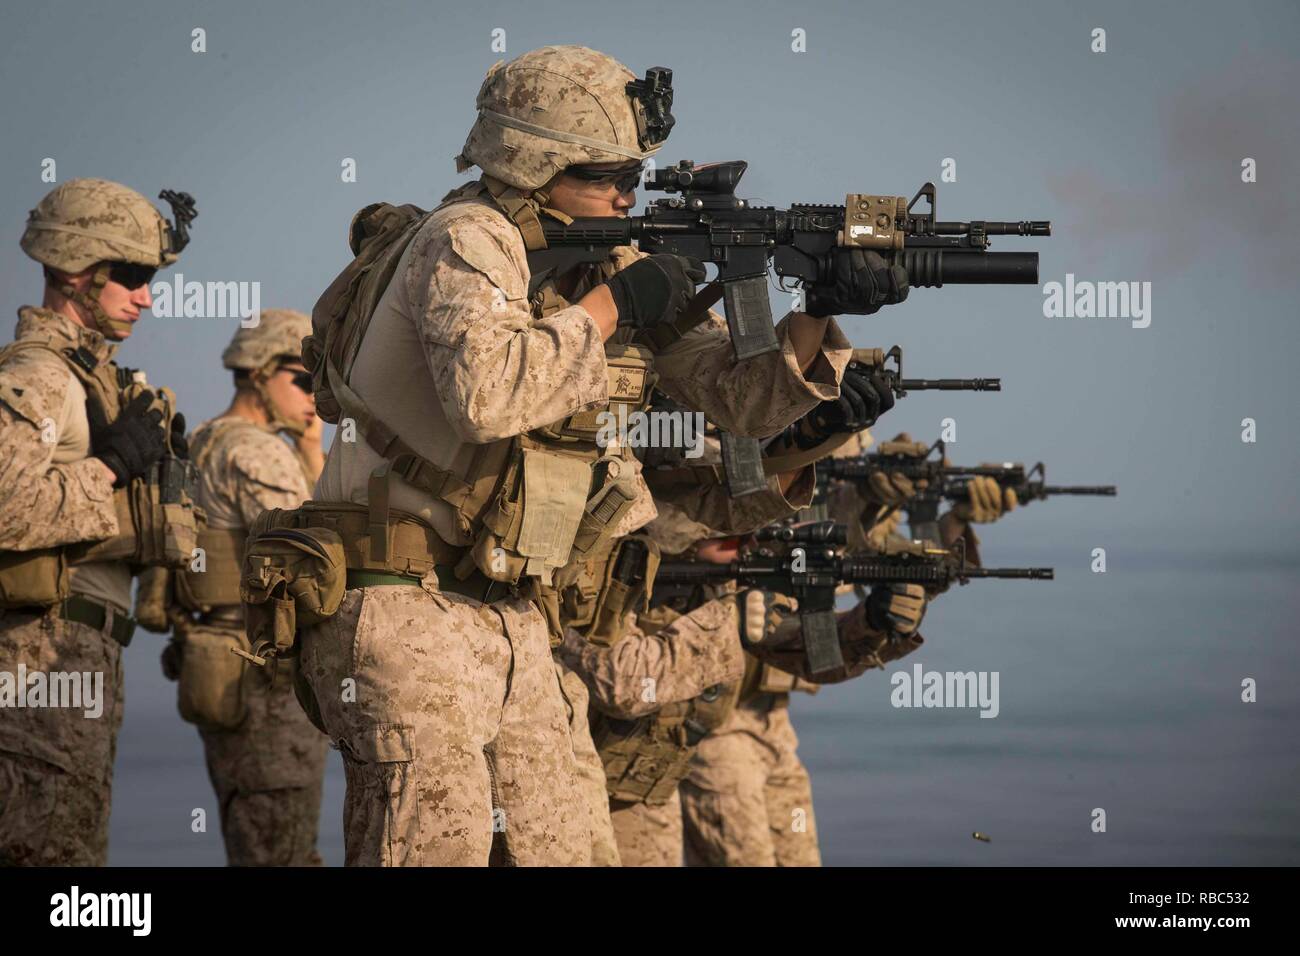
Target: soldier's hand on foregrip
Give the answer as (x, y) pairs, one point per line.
(654, 290)
(133, 442)
(896, 608)
(890, 488)
(988, 502)
(860, 283)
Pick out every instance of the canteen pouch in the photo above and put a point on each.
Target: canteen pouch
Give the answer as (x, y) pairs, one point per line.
(211, 692)
(292, 578)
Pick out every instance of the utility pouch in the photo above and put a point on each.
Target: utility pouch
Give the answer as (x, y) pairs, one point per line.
(214, 582)
(554, 498)
(158, 523)
(33, 578)
(211, 692)
(292, 578)
(152, 599)
(167, 522)
(625, 586)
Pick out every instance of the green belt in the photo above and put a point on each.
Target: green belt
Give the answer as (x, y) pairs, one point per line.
(371, 579)
(93, 613)
(477, 586)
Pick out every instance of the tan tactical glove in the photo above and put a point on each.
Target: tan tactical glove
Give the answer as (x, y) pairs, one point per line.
(896, 608)
(890, 489)
(878, 534)
(988, 502)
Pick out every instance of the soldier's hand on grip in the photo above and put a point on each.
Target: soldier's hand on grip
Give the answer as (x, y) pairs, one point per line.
(890, 488)
(655, 290)
(988, 502)
(133, 442)
(896, 609)
(860, 283)
(864, 397)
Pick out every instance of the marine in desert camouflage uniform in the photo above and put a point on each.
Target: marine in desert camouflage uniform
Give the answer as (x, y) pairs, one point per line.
(459, 747)
(748, 798)
(265, 759)
(675, 672)
(66, 445)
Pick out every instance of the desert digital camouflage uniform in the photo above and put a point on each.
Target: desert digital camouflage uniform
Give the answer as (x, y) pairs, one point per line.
(663, 658)
(638, 832)
(642, 672)
(748, 799)
(589, 770)
(268, 772)
(459, 748)
(56, 763)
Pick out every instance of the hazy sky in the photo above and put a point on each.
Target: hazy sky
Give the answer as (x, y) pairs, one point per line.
(1128, 683)
(1134, 154)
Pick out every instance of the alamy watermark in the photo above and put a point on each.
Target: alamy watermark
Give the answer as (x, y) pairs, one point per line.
(75, 908)
(923, 688)
(652, 429)
(79, 690)
(1101, 300)
(179, 299)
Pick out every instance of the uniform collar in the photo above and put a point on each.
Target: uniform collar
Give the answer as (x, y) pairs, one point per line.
(35, 322)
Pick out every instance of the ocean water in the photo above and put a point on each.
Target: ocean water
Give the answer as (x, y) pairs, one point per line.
(1120, 691)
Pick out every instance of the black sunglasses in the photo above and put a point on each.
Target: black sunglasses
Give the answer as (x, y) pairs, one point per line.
(302, 380)
(132, 275)
(624, 178)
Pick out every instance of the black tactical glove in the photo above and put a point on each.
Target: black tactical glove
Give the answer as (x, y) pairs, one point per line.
(180, 444)
(133, 443)
(860, 282)
(655, 290)
(864, 397)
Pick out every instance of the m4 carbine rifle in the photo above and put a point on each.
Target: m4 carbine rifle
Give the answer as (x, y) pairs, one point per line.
(806, 563)
(705, 220)
(948, 482)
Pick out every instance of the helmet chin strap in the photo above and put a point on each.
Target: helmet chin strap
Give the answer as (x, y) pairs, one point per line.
(112, 329)
(273, 414)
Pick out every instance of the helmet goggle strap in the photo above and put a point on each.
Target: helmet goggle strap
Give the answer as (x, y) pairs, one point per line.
(114, 329)
(275, 418)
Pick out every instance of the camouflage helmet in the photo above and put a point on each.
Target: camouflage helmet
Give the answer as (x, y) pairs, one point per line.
(84, 221)
(560, 106)
(278, 334)
(257, 349)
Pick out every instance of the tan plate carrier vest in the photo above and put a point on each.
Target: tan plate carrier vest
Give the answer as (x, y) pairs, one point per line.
(541, 506)
(157, 520)
(202, 588)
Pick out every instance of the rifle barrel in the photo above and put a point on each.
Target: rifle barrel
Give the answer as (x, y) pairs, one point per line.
(1034, 574)
(951, 384)
(1107, 490)
(1037, 227)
